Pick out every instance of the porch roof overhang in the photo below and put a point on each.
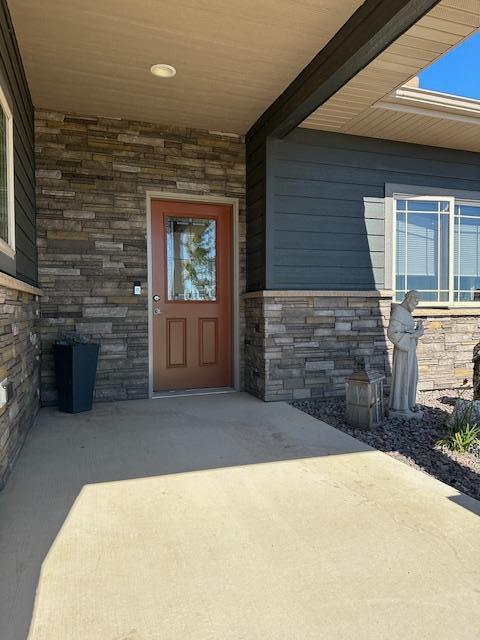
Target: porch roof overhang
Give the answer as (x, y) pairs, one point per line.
(376, 103)
(232, 58)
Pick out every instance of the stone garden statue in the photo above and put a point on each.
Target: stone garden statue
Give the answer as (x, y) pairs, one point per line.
(404, 332)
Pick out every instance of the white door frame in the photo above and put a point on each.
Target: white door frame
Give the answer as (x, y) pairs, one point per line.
(184, 197)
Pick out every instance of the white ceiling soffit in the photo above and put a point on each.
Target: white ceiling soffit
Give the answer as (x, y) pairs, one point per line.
(365, 106)
(232, 58)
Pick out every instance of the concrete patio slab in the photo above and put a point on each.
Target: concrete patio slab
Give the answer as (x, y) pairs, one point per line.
(221, 517)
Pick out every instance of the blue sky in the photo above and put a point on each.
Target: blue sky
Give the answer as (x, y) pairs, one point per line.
(458, 72)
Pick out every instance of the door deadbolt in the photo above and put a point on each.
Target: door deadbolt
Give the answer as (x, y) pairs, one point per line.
(156, 298)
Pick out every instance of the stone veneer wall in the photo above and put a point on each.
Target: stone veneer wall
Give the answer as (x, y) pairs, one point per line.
(304, 344)
(20, 363)
(92, 178)
(445, 352)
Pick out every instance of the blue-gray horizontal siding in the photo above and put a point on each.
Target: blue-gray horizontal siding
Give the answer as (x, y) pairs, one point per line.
(15, 87)
(325, 226)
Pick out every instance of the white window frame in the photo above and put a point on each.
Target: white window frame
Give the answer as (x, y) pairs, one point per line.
(399, 191)
(8, 248)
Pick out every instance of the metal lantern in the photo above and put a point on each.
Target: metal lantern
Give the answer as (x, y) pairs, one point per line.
(364, 398)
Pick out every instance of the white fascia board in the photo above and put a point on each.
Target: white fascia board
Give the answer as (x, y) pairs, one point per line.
(432, 103)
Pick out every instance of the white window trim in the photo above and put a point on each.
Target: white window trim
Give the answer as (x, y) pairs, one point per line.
(9, 248)
(395, 191)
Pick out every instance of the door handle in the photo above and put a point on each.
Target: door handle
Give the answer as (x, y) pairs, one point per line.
(156, 312)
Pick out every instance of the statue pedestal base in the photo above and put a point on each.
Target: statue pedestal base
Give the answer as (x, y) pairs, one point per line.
(405, 415)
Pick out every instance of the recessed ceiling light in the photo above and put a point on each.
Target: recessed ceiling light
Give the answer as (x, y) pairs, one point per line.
(163, 70)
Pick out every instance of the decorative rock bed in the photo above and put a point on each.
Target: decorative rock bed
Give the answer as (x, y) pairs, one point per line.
(414, 441)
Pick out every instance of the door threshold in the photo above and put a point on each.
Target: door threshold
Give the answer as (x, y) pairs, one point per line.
(157, 395)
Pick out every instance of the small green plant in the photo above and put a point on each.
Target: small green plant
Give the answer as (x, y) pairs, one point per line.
(464, 430)
(460, 438)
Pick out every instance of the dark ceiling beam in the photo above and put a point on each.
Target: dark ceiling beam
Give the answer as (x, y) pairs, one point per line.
(370, 30)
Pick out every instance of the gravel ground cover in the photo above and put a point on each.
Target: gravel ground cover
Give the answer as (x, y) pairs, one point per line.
(412, 441)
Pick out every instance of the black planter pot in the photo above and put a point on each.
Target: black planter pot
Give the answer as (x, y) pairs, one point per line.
(75, 370)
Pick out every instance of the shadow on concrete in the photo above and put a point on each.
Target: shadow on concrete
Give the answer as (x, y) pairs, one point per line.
(70, 477)
(467, 503)
(65, 453)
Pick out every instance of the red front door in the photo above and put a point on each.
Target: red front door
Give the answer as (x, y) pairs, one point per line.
(192, 301)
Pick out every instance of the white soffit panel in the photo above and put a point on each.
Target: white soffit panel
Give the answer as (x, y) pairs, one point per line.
(232, 59)
(366, 106)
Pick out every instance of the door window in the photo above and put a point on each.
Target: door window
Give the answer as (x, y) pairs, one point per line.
(191, 259)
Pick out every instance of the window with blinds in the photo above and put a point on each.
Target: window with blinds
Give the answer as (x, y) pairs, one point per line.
(437, 249)
(466, 263)
(6, 178)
